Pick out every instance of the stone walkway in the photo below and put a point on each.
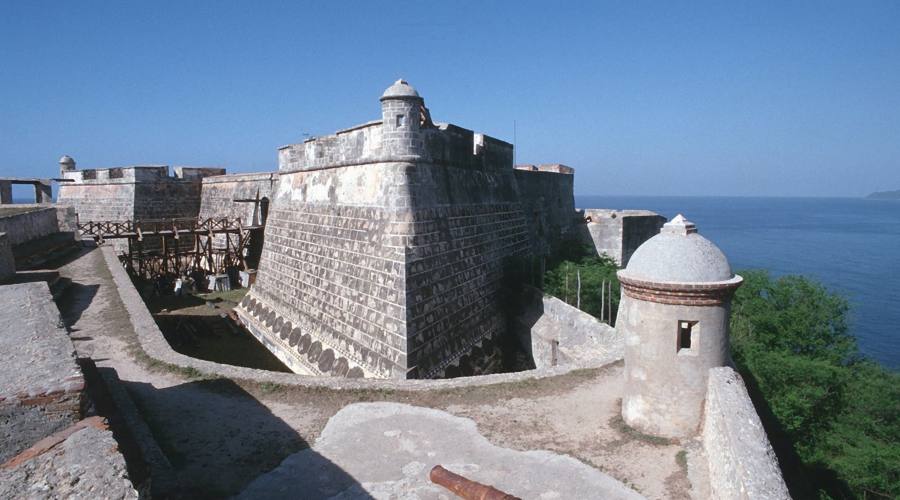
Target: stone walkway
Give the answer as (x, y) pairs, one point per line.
(219, 435)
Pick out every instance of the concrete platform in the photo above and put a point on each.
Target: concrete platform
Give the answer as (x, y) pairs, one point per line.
(41, 386)
(386, 450)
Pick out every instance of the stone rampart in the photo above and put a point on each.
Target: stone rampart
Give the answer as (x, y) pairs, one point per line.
(378, 264)
(742, 465)
(548, 205)
(27, 223)
(41, 386)
(134, 193)
(557, 334)
(230, 195)
(386, 246)
(618, 233)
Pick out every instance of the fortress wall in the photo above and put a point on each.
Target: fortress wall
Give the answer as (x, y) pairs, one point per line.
(455, 146)
(742, 464)
(466, 224)
(618, 233)
(21, 227)
(167, 199)
(357, 145)
(549, 207)
(557, 334)
(99, 202)
(330, 284)
(219, 193)
(391, 266)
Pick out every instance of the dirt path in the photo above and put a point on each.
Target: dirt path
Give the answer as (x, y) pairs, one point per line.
(219, 434)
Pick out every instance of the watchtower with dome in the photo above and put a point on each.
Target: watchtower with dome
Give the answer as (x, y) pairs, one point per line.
(674, 312)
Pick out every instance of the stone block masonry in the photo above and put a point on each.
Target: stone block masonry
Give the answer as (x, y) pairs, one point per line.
(41, 386)
(134, 193)
(386, 244)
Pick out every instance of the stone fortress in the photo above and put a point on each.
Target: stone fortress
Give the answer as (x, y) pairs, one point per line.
(384, 256)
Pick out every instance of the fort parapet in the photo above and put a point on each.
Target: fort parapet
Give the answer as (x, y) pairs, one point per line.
(134, 193)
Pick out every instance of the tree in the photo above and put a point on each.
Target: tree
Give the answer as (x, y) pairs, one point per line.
(842, 412)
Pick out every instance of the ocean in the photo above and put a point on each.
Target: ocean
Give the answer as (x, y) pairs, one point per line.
(851, 245)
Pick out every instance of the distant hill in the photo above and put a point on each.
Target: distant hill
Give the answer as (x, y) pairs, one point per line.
(884, 195)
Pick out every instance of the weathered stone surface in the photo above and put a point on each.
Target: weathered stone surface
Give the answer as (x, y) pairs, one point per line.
(742, 464)
(134, 193)
(41, 386)
(618, 233)
(30, 222)
(386, 450)
(557, 334)
(387, 243)
(86, 464)
(229, 196)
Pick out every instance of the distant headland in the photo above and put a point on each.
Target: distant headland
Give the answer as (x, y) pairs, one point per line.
(884, 195)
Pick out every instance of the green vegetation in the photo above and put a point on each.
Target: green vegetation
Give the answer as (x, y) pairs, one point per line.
(841, 412)
(561, 278)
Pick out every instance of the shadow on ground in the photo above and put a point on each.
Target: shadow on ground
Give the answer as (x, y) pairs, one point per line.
(218, 437)
(75, 300)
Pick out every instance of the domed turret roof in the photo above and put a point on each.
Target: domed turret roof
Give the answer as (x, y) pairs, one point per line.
(678, 254)
(400, 88)
(66, 159)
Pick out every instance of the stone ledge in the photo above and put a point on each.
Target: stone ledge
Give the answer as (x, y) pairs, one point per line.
(742, 464)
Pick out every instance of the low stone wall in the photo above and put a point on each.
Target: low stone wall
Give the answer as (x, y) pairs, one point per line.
(154, 344)
(41, 385)
(22, 224)
(557, 334)
(742, 464)
(7, 261)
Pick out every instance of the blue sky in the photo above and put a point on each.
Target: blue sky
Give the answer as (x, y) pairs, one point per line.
(644, 98)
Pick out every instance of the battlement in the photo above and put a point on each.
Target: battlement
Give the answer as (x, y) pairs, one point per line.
(404, 134)
(137, 173)
(556, 168)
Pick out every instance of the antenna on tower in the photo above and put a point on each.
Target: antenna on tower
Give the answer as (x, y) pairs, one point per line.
(514, 143)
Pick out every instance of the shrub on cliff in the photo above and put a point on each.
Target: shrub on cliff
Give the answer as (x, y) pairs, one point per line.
(561, 281)
(790, 338)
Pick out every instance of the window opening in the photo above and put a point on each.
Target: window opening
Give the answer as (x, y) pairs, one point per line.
(685, 334)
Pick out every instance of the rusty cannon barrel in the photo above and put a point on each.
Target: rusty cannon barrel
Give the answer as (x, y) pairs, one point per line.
(466, 488)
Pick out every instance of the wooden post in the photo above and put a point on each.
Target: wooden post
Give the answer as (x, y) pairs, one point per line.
(602, 300)
(578, 290)
(609, 309)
